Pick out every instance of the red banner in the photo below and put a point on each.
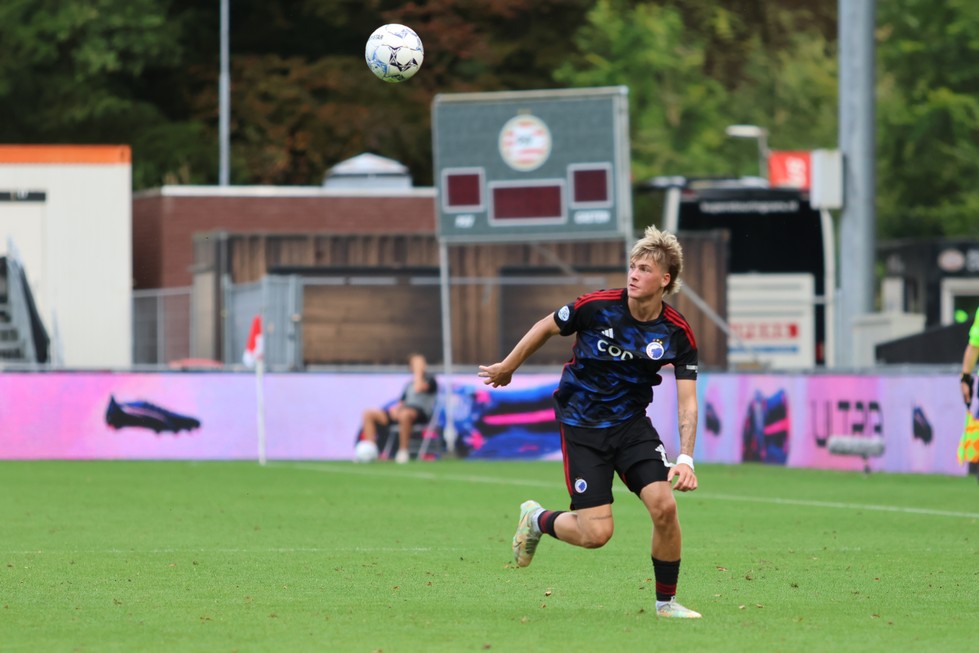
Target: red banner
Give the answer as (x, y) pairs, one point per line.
(790, 169)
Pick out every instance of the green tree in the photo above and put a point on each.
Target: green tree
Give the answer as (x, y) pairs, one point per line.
(677, 114)
(304, 100)
(928, 118)
(792, 92)
(144, 72)
(694, 68)
(727, 61)
(86, 72)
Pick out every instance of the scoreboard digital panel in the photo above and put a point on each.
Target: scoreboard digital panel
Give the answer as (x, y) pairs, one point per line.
(532, 165)
(590, 184)
(463, 189)
(527, 202)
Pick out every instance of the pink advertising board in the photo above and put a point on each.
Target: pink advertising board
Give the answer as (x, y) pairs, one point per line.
(777, 419)
(789, 419)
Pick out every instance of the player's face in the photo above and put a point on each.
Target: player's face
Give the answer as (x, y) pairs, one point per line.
(646, 278)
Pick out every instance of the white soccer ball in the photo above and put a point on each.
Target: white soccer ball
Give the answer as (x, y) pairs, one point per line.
(394, 52)
(365, 451)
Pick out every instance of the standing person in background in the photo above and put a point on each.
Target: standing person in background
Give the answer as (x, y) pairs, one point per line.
(623, 338)
(969, 445)
(414, 407)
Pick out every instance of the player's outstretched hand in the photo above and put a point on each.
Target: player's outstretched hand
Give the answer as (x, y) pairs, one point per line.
(686, 480)
(495, 375)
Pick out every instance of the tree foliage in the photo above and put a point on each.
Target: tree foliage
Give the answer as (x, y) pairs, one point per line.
(145, 72)
(86, 72)
(928, 118)
(674, 108)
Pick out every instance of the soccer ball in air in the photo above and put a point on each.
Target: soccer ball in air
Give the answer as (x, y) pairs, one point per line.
(394, 52)
(365, 451)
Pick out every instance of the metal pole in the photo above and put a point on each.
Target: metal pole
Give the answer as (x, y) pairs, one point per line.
(449, 432)
(161, 336)
(829, 287)
(858, 219)
(224, 101)
(260, 373)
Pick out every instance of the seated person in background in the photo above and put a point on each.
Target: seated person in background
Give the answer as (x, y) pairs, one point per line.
(415, 406)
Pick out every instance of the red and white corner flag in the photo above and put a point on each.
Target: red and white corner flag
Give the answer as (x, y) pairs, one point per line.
(254, 356)
(255, 348)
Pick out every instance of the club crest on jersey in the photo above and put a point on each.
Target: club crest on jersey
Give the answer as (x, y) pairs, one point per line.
(655, 350)
(580, 485)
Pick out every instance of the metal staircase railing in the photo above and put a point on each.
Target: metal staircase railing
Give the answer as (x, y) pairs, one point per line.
(16, 335)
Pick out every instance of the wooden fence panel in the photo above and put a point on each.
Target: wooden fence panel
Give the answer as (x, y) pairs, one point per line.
(376, 324)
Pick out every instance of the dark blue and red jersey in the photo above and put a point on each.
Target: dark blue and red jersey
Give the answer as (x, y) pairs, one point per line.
(616, 359)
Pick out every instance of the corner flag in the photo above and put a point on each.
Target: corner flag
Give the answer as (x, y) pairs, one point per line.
(255, 347)
(254, 356)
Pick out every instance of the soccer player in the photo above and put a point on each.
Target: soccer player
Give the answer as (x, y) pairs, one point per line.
(623, 338)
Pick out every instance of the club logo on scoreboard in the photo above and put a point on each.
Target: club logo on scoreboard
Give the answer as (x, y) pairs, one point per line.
(525, 143)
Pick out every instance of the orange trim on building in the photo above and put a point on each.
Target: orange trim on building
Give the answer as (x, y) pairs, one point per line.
(82, 154)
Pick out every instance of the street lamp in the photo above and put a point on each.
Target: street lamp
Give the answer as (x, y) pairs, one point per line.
(760, 134)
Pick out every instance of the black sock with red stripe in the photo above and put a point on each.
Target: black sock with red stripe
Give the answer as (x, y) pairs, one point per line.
(545, 521)
(666, 574)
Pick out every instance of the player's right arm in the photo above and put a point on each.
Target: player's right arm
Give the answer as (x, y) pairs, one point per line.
(499, 374)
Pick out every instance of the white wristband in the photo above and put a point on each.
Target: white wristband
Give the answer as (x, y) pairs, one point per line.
(684, 459)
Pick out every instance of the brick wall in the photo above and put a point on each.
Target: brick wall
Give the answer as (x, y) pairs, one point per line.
(165, 221)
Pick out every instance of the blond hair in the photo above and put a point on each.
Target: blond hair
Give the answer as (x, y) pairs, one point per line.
(664, 248)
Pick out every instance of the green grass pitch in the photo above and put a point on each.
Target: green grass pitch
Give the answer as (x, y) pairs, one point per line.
(316, 556)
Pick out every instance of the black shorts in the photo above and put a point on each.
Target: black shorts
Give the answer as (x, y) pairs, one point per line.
(593, 455)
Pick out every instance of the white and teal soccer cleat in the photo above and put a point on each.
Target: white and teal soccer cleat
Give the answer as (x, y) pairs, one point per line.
(527, 537)
(674, 610)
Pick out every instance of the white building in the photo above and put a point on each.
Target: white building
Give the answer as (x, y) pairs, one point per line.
(67, 210)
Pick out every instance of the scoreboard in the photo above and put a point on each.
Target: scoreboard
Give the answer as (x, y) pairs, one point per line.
(532, 165)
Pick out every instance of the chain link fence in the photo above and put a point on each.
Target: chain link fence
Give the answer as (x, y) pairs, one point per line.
(164, 324)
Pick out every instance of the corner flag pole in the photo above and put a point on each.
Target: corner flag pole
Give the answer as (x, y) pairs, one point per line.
(260, 401)
(254, 356)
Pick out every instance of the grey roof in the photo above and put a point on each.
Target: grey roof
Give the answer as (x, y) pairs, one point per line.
(368, 170)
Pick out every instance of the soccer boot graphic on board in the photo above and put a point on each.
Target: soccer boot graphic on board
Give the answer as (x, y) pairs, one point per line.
(143, 414)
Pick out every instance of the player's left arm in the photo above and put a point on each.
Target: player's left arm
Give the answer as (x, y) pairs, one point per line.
(686, 403)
